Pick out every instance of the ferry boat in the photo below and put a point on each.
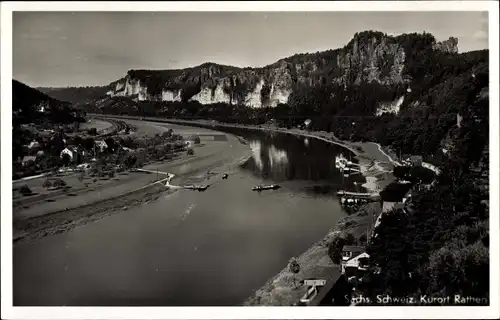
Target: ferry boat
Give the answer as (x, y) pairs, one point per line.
(197, 187)
(269, 187)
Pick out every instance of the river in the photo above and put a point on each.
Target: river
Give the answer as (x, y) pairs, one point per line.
(209, 248)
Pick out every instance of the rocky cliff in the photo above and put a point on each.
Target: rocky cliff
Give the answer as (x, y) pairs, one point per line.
(370, 57)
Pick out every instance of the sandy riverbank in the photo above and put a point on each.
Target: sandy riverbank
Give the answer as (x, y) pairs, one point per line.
(376, 165)
(48, 218)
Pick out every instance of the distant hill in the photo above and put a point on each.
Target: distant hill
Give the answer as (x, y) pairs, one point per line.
(32, 106)
(75, 95)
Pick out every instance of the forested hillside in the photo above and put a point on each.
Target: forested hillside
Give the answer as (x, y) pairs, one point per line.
(32, 106)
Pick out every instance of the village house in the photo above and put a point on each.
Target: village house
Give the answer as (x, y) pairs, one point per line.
(28, 160)
(84, 167)
(34, 145)
(349, 252)
(69, 151)
(412, 160)
(391, 205)
(101, 144)
(307, 123)
(357, 266)
(74, 153)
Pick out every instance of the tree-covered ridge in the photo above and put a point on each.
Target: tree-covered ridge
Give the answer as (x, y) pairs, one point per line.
(75, 95)
(32, 106)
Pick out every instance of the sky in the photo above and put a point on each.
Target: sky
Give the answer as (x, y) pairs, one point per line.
(60, 49)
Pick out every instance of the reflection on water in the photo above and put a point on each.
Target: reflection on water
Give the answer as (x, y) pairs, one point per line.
(257, 154)
(279, 157)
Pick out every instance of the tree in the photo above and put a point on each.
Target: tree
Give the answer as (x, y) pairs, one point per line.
(452, 268)
(195, 139)
(58, 182)
(190, 152)
(47, 184)
(166, 134)
(78, 141)
(335, 248)
(350, 239)
(294, 265)
(110, 142)
(65, 159)
(81, 176)
(89, 144)
(362, 240)
(25, 190)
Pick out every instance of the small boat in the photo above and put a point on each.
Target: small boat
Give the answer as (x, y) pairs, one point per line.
(269, 187)
(197, 187)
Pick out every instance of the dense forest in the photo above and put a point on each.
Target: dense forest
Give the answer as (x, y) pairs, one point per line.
(441, 247)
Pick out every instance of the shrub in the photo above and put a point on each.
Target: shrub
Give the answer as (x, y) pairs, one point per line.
(350, 240)
(25, 190)
(92, 131)
(111, 174)
(335, 249)
(47, 184)
(58, 182)
(190, 152)
(294, 265)
(166, 134)
(197, 140)
(362, 240)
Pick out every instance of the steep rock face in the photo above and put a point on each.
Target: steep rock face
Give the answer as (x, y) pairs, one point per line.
(376, 59)
(392, 107)
(370, 57)
(448, 46)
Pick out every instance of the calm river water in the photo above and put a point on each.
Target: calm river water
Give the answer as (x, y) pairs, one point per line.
(208, 248)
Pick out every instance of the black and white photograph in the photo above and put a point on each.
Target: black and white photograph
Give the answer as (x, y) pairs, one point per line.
(272, 155)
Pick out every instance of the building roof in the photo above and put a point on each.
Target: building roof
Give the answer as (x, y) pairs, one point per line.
(354, 262)
(29, 158)
(34, 144)
(353, 248)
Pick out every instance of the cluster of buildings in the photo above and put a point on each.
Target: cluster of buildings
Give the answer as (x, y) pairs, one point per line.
(34, 151)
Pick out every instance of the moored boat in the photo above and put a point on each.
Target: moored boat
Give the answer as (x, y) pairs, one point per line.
(269, 187)
(197, 187)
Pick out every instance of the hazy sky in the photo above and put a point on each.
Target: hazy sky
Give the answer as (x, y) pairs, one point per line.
(96, 48)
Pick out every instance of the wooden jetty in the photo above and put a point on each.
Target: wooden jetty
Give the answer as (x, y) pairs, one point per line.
(362, 195)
